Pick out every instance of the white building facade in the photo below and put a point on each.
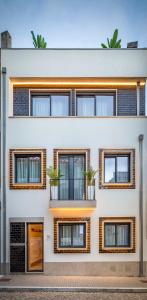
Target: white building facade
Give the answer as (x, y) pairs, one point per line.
(74, 110)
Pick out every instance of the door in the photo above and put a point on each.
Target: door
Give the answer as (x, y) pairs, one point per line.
(72, 186)
(35, 247)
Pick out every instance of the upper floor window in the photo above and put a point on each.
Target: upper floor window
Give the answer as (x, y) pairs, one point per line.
(50, 105)
(101, 104)
(117, 168)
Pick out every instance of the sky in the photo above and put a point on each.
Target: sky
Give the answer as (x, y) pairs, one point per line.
(74, 23)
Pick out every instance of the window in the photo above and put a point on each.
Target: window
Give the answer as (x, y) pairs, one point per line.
(117, 234)
(101, 104)
(27, 168)
(72, 235)
(50, 105)
(117, 168)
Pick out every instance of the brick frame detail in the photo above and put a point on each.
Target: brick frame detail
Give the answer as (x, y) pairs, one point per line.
(27, 186)
(104, 220)
(129, 185)
(58, 221)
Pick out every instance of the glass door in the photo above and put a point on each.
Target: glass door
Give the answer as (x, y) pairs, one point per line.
(35, 247)
(72, 169)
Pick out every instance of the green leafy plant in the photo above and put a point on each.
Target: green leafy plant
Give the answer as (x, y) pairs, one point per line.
(38, 41)
(90, 174)
(54, 176)
(113, 42)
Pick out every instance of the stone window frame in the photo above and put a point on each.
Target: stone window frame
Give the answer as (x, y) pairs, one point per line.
(58, 249)
(27, 186)
(116, 185)
(131, 221)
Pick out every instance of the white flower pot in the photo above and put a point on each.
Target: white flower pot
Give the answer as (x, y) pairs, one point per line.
(90, 192)
(54, 192)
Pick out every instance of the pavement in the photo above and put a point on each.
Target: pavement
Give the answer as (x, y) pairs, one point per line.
(43, 282)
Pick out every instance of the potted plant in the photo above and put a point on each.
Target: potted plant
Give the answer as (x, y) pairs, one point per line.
(90, 174)
(54, 176)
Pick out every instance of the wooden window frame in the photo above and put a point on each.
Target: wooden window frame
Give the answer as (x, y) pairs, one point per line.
(58, 249)
(116, 185)
(26, 186)
(117, 249)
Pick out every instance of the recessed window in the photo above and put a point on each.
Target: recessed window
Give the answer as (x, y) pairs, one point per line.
(72, 235)
(28, 168)
(102, 104)
(117, 235)
(50, 105)
(117, 168)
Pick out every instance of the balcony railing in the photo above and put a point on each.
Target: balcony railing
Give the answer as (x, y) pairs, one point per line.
(71, 189)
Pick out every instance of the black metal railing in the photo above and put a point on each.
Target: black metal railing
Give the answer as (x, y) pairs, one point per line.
(71, 189)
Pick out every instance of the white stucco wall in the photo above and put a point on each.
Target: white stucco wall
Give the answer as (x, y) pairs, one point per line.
(90, 133)
(93, 133)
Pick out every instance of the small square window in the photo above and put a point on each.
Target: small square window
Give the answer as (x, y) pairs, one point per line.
(117, 168)
(72, 235)
(117, 235)
(27, 169)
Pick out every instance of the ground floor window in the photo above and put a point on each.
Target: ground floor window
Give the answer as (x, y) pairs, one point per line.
(117, 234)
(72, 235)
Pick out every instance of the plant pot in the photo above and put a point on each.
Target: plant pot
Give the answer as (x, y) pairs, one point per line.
(90, 192)
(54, 192)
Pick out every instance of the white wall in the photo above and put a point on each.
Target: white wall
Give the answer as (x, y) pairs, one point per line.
(93, 133)
(72, 63)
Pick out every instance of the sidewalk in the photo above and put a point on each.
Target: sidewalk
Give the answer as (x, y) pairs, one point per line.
(73, 283)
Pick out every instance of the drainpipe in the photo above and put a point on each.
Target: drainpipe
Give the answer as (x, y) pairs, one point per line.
(140, 138)
(0, 176)
(3, 160)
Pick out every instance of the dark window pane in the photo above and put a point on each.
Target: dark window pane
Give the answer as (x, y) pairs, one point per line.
(109, 235)
(59, 105)
(104, 105)
(78, 235)
(85, 106)
(109, 169)
(123, 235)
(40, 106)
(123, 169)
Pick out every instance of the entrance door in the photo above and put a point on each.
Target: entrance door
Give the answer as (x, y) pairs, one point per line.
(72, 184)
(35, 247)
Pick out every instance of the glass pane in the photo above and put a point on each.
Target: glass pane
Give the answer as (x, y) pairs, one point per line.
(85, 106)
(22, 170)
(78, 235)
(64, 182)
(109, 235)
(123, 235)
(109, 169)
(35, 247)
(40, 106)
(65, 235)
(122, 169)
(104, 105)
(59, 105)
(79, 167)
(34, 169)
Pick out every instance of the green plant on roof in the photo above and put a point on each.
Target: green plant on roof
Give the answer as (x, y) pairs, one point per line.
(38, 41)
(113, 42)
